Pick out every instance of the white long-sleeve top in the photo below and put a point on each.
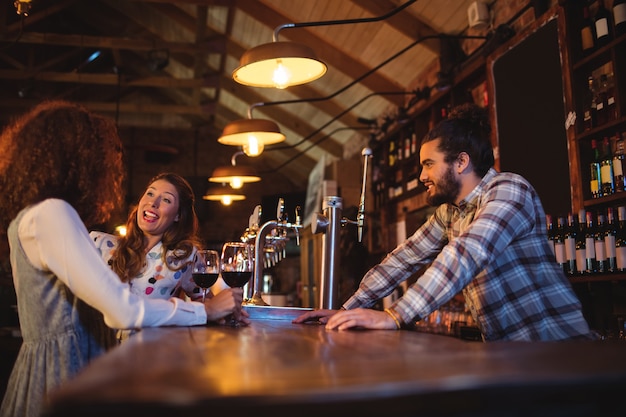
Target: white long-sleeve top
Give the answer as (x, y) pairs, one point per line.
(55, 239)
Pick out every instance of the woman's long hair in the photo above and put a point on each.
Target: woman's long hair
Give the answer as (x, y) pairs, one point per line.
(61, 150)
(180, 238)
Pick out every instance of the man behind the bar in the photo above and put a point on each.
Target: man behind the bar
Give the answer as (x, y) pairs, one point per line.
(487, 238)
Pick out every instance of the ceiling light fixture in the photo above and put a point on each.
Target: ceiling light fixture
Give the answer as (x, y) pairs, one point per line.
(253, 135)
(223, 195)
(22, 7)
(234, 175)
(285, 64)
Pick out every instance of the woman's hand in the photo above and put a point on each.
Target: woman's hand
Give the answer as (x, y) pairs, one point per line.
(227, 301)
(364, 318)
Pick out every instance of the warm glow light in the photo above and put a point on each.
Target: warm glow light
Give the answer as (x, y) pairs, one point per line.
(236, 183)
(235, 175)
(281, 76)
(279, 65)
(254, 147)
(251, 134)
(121, 230)
(224, 197)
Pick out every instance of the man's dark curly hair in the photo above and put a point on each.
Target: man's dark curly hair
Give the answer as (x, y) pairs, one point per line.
(467, 129)
(61, 150)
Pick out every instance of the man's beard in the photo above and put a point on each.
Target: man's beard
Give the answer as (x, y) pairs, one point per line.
(446, 190)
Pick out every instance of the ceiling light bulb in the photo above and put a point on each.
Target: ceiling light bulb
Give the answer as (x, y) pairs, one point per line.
(236, 183)
(22, 7)
(254, 147)
(226, 200)
(281, 76)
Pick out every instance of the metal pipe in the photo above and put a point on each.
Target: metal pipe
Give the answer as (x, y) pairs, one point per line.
(330, 224)
(254, 292)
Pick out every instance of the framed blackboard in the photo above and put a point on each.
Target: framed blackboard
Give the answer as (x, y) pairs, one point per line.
(527, 82)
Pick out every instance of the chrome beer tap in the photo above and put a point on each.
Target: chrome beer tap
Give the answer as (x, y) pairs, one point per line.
(329, 223)
(272, 234)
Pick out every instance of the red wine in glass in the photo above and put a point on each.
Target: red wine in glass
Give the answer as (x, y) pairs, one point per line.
(206, 268)
(237, 264)
(205, 280)
(236, 279)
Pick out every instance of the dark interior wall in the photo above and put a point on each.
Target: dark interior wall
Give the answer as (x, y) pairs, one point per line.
(532, 140)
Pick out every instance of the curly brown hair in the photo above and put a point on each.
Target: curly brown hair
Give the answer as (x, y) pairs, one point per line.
(61, 150)
(180, 238)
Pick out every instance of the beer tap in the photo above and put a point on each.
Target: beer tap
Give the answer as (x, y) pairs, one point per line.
(272, 234)
(329, 223)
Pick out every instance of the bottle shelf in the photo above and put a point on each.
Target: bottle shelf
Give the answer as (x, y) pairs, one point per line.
(599, 54)
(619, 276)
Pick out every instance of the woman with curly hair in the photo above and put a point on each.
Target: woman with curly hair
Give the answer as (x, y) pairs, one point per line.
(61, 173)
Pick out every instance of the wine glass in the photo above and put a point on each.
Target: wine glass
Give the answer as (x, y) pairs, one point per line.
(206, 269)
(237, 264)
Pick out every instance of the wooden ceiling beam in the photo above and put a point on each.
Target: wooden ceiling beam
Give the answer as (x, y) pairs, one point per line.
(214, 45)
(112, 107)
(210, 81)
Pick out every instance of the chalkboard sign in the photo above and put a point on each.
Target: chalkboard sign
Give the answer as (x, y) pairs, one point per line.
(530, 115)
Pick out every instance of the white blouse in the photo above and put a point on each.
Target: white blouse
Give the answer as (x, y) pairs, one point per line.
(55, 239)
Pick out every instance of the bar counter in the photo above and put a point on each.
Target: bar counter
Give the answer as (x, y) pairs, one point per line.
(276, 368)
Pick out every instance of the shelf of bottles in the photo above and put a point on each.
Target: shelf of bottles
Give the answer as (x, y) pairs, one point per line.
(396, 166)
(598, 51)
(590, 246)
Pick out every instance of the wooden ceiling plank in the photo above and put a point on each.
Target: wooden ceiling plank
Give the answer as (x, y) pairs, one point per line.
(109, 79)
(213, 45)
(403, 21)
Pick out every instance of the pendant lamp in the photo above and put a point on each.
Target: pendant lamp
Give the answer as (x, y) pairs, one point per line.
(285, 64)
(235, 175)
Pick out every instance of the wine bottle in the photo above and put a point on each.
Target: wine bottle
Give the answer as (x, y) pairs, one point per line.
(619, 17)
(551, 233)
(611, 105)
(620, 240)
(587, 32)
(606, 168)
(610, 235)
(581, 247)
(570, 244)
(619, 163)
(595, 180)
(601, 257)
(591, 261)
(559, 245)
(602, 112)
(590, 108)
(603, 25)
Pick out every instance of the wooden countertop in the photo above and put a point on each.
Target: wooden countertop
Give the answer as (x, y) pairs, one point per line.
(274, 367)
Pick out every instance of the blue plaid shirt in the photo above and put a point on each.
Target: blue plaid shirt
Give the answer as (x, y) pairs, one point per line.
(493, 247)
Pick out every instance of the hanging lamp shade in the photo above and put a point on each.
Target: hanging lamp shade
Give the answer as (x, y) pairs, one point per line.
(279, 65)
(251, 134)
(223, 195)
(236, 175)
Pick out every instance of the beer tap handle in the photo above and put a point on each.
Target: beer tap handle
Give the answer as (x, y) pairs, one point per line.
(298, 223)
(280, 209)
(367, 153)
(255, 219)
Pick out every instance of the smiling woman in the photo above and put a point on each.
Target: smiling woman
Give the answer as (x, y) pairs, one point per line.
(160, 242)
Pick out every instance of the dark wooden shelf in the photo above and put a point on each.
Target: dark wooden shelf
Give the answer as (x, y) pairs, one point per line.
(621, 276)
